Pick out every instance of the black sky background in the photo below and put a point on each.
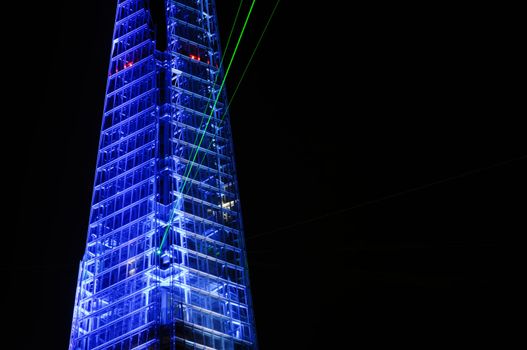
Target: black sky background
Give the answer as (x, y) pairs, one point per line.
(341, 108)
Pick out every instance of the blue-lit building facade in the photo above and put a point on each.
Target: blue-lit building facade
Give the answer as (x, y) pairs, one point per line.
(165, 265)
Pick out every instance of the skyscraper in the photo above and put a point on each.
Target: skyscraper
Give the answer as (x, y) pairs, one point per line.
(164, 266)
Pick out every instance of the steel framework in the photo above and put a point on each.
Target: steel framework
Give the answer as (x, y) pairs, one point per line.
(165, 264)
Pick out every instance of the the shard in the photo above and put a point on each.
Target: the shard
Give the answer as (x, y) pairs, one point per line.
(164, 266)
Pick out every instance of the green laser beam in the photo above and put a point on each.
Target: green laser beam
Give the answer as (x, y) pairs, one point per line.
(230, 35)
(224, 115)
(217, 75)
(210, 117)
(250, 59)
(243, 75)
(221, 87)
(185, 174)
(392, 196)
(239, 83)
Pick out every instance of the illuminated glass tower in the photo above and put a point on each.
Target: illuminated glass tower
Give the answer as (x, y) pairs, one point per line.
(165, 265)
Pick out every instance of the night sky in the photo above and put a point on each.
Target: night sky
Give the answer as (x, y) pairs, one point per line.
(381, 160)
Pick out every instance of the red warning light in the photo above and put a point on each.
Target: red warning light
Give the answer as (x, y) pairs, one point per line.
(197, 58)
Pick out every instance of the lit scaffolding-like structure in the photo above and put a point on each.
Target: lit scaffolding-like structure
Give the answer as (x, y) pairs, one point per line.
(165, 265)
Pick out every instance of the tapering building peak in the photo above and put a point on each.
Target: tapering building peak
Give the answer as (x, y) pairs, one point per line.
(165, 265)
